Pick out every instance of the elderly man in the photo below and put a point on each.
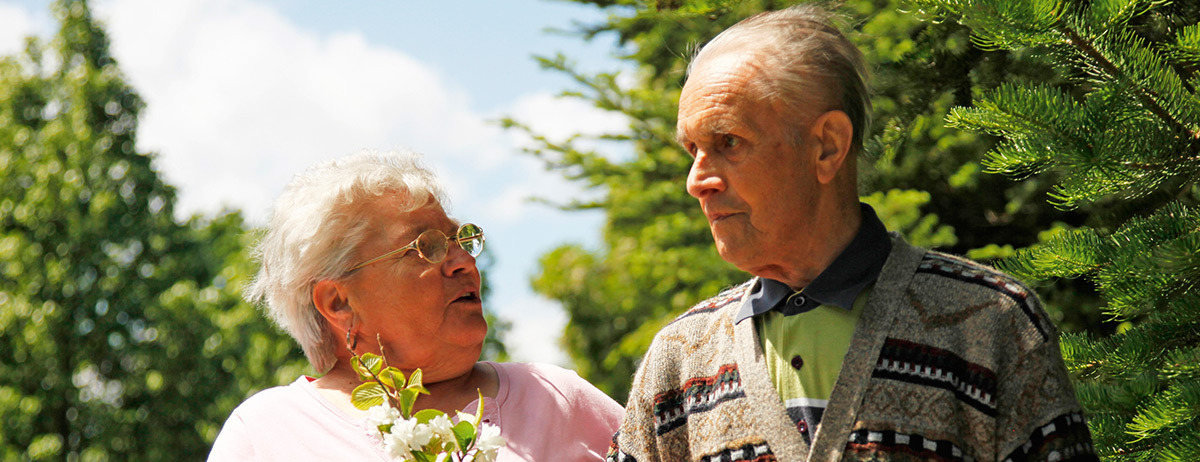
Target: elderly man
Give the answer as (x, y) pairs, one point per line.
(849, 343)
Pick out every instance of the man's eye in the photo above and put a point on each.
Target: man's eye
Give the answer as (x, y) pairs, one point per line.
(730, 141)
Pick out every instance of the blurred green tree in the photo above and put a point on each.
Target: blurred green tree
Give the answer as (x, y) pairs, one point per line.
(1127, 140)
(657, 256)
(123, 335)
(494, 348)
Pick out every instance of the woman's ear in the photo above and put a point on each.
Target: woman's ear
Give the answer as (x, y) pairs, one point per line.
(833, 133)
(331, 300)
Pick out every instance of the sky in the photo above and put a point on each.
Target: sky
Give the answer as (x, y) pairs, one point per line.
(243, 94)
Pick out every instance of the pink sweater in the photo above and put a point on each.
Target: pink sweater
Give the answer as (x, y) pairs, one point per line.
(546, 413)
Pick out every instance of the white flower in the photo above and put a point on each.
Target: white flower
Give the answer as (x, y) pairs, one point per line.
(421, 434)
(444, 430)
(396, 449)
(382, 415)
(396, 445)
(489, 443)
(399, 441)
(465, 417)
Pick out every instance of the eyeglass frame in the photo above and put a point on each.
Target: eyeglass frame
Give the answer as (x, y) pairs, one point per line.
(413, 246)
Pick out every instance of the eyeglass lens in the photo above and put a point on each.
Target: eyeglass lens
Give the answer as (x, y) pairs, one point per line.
(433, 244)
(470, 238)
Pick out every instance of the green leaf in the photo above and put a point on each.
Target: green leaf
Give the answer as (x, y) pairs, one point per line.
(391, 376)
(464, 432)
(408, 396)
(415, 379)
(366, 364)
(422, 456)
(367, 395)
(479, 408)
(425, 415)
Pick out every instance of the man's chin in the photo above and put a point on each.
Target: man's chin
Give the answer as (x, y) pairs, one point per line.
(730, 250)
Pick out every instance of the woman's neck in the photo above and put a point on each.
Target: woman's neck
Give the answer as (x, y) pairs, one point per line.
(447, 395)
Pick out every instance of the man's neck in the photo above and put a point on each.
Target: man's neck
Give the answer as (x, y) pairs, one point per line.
(843, 226)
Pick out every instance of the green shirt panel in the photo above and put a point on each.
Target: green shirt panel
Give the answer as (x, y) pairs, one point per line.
(820, 337)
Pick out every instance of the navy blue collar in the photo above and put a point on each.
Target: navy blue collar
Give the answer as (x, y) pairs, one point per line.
(839, 284)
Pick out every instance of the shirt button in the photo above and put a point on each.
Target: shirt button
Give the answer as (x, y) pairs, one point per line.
(797, 362)
(802, 426)
(798, 301)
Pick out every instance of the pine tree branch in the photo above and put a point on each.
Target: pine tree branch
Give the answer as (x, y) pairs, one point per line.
(1193, 146)
(1191, 149)
(1085, 369)
(1079, 264)
(1148, 97)
(1125, 452)
(1185, 190)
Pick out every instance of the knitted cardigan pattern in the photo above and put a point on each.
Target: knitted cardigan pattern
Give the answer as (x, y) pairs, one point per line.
(951, 361)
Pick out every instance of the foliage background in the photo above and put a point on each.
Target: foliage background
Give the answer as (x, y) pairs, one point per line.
(1090, 105)
(123, 335)
(925, 179)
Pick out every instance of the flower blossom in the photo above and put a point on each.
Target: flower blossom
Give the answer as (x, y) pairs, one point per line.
(397, 442)
(421, 435)
(381, 415)
(489, 443)
(443, 429)
(407, 435)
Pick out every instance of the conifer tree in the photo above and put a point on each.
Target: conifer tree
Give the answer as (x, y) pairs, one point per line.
(1126, 138)
(657, 257)
(123, 335)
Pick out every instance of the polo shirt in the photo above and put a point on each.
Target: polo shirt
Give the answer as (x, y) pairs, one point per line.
(804, 334)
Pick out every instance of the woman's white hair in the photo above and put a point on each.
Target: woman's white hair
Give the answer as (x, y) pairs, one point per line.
(810, 65)
(320, 219)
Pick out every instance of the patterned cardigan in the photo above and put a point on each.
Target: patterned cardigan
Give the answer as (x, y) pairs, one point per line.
(951, 361)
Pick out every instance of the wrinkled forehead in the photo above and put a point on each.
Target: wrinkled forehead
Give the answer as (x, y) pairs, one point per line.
(725, 65)
(717, 88)
(397, 215)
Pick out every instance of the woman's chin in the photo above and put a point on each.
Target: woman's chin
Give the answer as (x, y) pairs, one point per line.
(470, 334)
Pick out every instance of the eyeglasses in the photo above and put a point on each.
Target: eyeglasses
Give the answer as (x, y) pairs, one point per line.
(433, 245)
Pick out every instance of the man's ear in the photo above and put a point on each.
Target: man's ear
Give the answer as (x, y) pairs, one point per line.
(833, 133)
(331, 301)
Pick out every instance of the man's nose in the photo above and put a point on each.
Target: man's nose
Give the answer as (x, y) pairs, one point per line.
(704, 178)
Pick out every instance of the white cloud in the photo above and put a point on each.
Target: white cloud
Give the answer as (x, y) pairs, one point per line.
(235, 92)
(510, 202)
(15, 24)
(536, 337)
(557, 118)
(240, 99)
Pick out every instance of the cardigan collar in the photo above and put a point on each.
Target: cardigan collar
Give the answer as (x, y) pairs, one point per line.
(839, 284)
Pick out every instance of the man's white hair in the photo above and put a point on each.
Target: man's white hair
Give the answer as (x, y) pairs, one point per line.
(322, 216)
(801, 52)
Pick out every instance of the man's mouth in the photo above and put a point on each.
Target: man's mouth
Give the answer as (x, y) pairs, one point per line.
(719, 216)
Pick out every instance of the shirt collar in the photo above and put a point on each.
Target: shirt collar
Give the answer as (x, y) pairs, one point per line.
(839, 284)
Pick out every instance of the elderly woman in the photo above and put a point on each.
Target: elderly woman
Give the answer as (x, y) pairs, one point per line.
(360, 255)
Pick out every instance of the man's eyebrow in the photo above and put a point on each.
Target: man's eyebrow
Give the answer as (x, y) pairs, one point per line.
(680, 138)
(713, 125)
